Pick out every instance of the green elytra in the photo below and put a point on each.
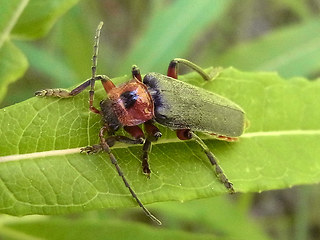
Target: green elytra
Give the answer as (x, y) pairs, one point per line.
(177, 105)
(186, 106)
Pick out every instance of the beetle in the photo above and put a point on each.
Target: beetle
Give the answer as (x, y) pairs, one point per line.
(162, 99)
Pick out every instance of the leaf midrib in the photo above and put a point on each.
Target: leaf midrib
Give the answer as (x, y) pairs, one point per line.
(17, 157)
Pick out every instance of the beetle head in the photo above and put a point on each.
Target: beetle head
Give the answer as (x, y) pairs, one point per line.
(109, 116)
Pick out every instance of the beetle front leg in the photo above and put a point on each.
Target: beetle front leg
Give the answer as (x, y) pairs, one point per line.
(63, 93)
(186, 134)
(123, 139)
(135, 131)
(111, 141)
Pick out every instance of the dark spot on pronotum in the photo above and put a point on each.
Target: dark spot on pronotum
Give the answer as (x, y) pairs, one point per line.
(129, 98)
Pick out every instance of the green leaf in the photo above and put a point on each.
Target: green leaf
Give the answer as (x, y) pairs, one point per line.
(291, 51)
(211, 215)
(13, 65)
(165, 38)
(176, 216)
(58, 228)
(43, 172)
(23, 19)
(54, 67)
(10, 12)
(39, 16)
(300, 8)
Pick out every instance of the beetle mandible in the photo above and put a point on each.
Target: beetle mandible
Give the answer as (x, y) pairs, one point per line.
(162, 99)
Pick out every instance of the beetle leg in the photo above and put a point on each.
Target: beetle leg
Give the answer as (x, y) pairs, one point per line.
(106, 148)
(136, 73)
(153, 135)
(106, 82)
(145, 157)
(153, 132)
(91, 149)
(173, 68)
(135, 131)
(63, 93)
(185, 134)
(111, 141)
(107, 85)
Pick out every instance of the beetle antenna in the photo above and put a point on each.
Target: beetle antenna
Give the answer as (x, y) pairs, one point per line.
(94, 67)
(114, 161)
(96, 50)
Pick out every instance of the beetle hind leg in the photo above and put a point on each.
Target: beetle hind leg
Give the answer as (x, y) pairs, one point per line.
(173, 68)
(186, 134)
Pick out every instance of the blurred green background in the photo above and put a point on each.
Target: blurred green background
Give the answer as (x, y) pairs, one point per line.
(251, 35)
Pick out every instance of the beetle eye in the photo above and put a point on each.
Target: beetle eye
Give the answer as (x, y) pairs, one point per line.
(115, 127)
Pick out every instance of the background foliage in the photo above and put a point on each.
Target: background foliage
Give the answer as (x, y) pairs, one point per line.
(281, 36)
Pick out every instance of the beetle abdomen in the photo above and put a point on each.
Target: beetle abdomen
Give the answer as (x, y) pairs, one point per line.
(179, 105)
